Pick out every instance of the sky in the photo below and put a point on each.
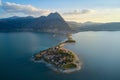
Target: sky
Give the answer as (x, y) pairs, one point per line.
(70, 10)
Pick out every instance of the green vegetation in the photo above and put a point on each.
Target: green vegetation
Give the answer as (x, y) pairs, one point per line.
(70, 41)
(47, 60)
(38, 56)
(69, 66)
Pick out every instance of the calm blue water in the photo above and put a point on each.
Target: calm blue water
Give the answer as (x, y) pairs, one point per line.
(99, 52)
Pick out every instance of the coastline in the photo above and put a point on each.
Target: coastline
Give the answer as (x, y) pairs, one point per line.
(59, 70)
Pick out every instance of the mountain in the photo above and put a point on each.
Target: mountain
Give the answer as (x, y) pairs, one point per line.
(15, 24)
(91, 26)
(74, 25)
(52, 23)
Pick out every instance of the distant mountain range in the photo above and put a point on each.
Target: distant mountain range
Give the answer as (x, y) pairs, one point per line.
(52, 23)
(91, 26)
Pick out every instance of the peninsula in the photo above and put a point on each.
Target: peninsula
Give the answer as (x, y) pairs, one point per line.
(60, 58)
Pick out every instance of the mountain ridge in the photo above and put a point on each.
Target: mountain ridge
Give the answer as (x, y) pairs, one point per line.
(92, 26)
(52, 23)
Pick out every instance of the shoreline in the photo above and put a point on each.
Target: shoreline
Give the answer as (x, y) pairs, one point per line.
(58, 70)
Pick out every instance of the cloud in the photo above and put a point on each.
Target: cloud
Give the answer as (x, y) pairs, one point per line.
(94, 15)
(13, 8)
(85, 11)
(78, 12)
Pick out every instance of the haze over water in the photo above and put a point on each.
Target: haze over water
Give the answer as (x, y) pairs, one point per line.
(99, 52)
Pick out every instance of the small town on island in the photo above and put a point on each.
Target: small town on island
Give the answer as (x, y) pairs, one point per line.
(60, 58)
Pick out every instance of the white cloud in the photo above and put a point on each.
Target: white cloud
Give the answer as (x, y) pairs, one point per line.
(13, 8)
(78, 12)
(94, 15)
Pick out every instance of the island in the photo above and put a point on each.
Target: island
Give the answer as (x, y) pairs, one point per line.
(70, 40)
(59, 58)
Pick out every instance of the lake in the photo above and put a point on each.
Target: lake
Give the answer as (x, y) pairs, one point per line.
(98, 51)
